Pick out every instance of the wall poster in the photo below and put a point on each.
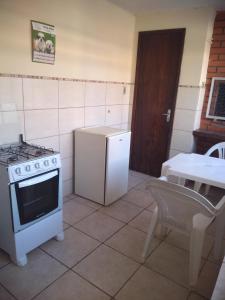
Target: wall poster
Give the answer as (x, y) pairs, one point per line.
(43, 42)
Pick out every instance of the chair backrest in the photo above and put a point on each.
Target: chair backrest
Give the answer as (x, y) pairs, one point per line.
(177, 204)
(219, 148)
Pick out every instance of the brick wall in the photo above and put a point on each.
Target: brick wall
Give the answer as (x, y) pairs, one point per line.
(216, 68)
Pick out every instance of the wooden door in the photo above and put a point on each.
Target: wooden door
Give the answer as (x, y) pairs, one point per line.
(157, 75)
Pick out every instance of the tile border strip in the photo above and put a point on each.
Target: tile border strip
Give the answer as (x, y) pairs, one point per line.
(62, 78)
(81, 80)
(191, 86)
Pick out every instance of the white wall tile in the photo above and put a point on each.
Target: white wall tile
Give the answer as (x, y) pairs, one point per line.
(67, 168)
(94, 115)
(66, 145)
(67, 187)
(11, 125)
(71, 93)
(188, 98)
(39, 93)
(114, 93)
(95, 93)
(201, 98)
(129, 94)
(125, 113)
(184, 119)
(113, 114)
(11, 96)
(125, 126)
(182, 141)
(173, 153)
(116, 126)
(197, 120)
(51, 142)
(41, 123)
(70, 119)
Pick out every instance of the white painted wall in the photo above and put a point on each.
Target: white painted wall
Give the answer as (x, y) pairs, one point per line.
(94, 38)
(199, 26)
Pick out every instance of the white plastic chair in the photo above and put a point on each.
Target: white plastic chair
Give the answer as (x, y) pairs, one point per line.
(220, 149)
(184, 210)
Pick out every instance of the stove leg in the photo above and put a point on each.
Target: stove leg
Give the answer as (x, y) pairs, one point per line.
(60, 236)
(20, 261)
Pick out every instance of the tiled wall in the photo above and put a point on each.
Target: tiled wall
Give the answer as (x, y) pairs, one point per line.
(187, 118)
(47, 110)
(216, 68)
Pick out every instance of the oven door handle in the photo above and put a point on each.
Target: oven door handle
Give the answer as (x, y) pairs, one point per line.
(37, 179)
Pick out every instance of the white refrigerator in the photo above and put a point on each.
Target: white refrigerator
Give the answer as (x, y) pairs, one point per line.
(101, 163)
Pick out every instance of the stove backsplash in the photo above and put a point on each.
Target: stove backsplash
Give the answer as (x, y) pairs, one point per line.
(47, 110)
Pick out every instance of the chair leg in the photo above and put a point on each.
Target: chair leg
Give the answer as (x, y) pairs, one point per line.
(150, 233)
(196, 245)
(220, 230)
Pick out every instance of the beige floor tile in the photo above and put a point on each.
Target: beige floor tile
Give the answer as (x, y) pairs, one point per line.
(122, 210)
(71, 196)
(107, 269)
(73, 212)
(87, 202)
(219, 290)
(4, 295)
(133, 181)
(65, 225)
(211, 255)
(194, 296)
(72, 249)
(139, 175)
(148, 285)
(152, 207)
(4, 259)
(66, 198)
(99, 226)
(144, 186)
(207, 279)
(139, 198)
(71, 287)
(142, 221)
(211, 230)
(130, 242)
(171, 262)
(25, 282)
(182, 241)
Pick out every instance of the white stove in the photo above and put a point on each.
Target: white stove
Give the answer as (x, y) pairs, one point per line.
(31, 198)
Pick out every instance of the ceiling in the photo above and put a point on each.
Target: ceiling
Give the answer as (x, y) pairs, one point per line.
(139, 6)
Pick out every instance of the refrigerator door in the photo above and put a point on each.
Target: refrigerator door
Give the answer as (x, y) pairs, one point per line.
(117, 166)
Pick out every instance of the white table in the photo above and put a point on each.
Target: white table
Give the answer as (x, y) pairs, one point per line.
(201, 168)
(204, 169)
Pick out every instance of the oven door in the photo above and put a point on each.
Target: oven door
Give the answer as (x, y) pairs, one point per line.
(34, 198)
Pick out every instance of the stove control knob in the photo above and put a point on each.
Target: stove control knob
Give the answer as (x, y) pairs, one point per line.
(46, 163)
(27, 168)
(18, 171)
(54, 160)
(37, 165)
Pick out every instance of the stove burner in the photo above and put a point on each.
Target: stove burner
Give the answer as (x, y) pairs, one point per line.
(12, 158)
(40, 152)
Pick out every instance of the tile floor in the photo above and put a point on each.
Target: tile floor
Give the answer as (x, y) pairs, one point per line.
(100, 257)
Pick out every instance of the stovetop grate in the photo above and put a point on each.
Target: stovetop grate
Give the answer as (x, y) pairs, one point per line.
(22, 152)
